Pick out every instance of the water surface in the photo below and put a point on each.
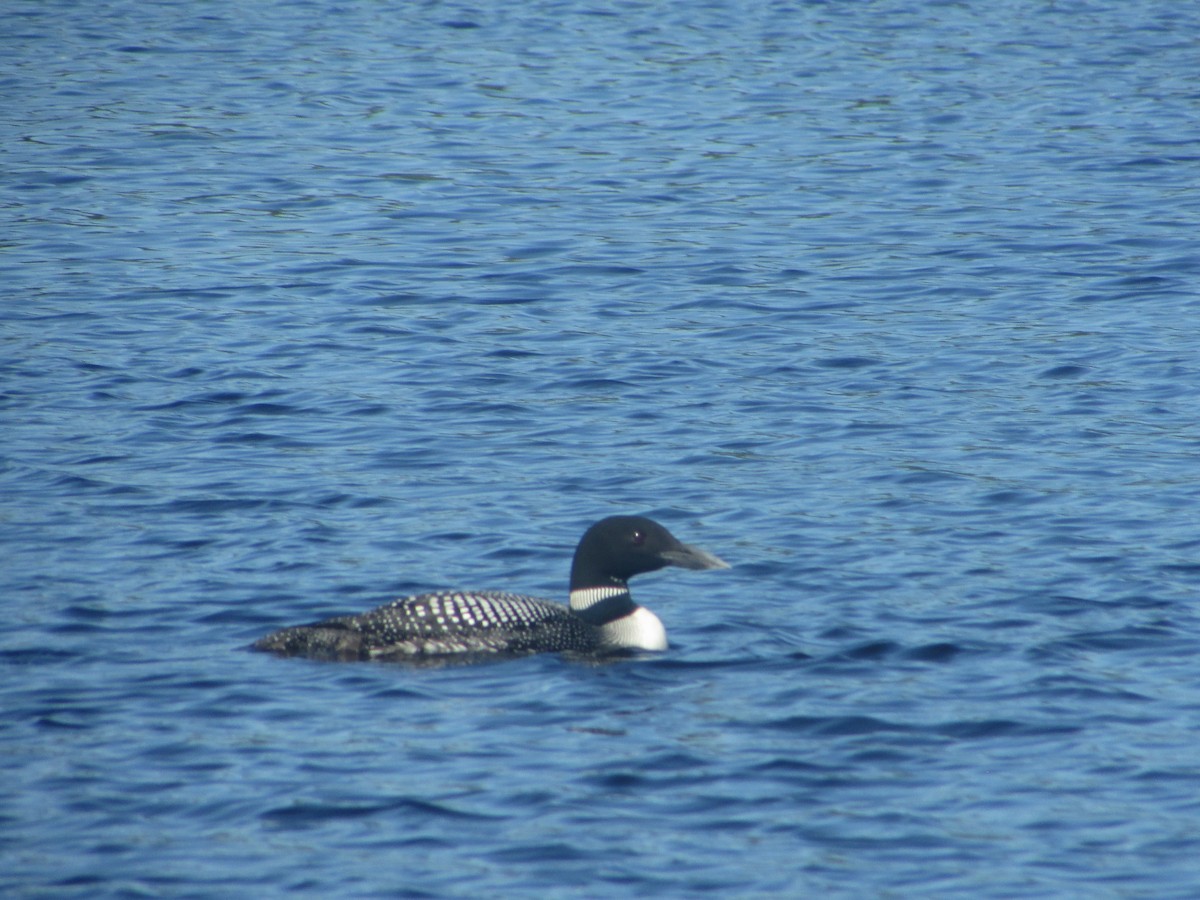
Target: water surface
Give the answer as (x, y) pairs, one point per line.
(891, 305)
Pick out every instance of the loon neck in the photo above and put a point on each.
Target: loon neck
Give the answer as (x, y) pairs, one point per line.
(601, 605)
(622, 623)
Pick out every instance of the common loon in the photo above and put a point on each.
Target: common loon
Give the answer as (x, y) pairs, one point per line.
(602, 617)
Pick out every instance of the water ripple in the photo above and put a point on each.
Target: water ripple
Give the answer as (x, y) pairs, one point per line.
(892, 306)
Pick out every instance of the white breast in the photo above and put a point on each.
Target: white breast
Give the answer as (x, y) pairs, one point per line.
(640, 630)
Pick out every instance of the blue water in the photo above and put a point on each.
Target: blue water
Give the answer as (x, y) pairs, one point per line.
(892, 305)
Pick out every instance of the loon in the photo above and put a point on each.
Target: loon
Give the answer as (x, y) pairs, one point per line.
(601, 618)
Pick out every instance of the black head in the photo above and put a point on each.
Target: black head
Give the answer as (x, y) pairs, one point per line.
(615, 549)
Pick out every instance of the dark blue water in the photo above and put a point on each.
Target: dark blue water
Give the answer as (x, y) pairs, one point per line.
(893, 305)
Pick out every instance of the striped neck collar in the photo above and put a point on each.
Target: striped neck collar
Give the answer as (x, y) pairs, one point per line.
(601, 605)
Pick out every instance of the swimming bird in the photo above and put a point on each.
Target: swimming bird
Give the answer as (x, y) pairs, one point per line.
(601, 617)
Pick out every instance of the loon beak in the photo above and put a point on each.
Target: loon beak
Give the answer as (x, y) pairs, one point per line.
(688, 557)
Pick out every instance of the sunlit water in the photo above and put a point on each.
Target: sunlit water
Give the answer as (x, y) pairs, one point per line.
(892, 305)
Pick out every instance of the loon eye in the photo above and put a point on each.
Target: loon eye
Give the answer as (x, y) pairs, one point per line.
(639, 538)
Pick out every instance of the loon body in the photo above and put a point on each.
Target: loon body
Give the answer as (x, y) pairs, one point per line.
(601, 617)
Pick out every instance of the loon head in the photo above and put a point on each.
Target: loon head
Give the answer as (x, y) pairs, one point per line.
(615, 549)
(610, 553)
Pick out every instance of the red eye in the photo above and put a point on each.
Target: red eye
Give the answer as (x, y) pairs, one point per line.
(639, 538)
